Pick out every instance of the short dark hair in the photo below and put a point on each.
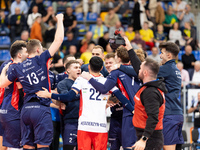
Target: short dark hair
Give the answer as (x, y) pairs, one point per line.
(96, 63)
(170, 47)
(70, 63)
(123, 54)
(16, 47)
(109, 55)
(53, 22)
(153, 66)
(65, 58)
(137, 32)
(31, 44)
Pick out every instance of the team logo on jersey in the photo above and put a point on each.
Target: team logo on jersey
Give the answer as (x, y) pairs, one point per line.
(43, 78)
(104, 98)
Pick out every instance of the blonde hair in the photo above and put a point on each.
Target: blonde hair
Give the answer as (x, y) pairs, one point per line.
(140, 54)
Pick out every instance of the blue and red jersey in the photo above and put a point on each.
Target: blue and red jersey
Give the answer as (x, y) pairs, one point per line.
(33, 74)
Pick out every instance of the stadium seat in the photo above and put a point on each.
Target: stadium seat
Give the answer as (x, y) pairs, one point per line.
(103, 15)
(91, 17)
(194, 133)
(47, 3)
(4, 55)
(185, 145)
(74, 4)
(90, 27)
(79, 17)
(195, 53)
(4, 42)
(82, 29)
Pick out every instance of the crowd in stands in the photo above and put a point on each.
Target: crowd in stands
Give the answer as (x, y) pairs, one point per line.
(146, 23)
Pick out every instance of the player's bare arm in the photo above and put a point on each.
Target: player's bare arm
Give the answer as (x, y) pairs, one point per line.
(59, 36)
(4, 82)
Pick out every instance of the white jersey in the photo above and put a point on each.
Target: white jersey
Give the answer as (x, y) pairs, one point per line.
(92, 111)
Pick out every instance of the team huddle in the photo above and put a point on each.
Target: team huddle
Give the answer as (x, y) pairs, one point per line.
(143, 97)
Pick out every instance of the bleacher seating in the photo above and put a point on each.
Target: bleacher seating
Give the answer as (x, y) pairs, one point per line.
(4, 42)
(82, 29)
(91, 17)
(79, 17)
(4, 55)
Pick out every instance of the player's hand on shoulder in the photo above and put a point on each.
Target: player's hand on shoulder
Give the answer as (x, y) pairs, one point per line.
(86, 75)
(114, 67)
(60, 16)
(6, 66)
(45, 93)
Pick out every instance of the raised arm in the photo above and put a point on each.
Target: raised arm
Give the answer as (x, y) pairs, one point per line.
(59, 35)
(135, 61)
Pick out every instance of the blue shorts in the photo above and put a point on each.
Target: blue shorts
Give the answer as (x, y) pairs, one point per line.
(36, 124)
(1, 129)
(128, 132)
(115, 140)
(172, 129)
(70, 134)
(12, 134)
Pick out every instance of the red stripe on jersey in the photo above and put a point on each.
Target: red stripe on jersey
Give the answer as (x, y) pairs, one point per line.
(60, 111)
(2, 90)
(49, 82)
(81, 104)
(15, 96)
(122, 89)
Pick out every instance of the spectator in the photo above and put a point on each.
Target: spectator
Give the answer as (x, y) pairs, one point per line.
(175, 35)
(90, 6)
(190, 35)
(103, 41)
(188, 58)
(24, 36)
(57, 64)
(32, 16)
(151, 11)
(155, 55)
(98, 30)
(49, 15)
(186, 16)
(170, 19)
(39, 4)
(4, 23)
(184, 73)
(70, 41)
(195, 107)
(121, 9)
(137, 40)
(85, 41)
(178, 7)
(36, 30)
(112, 30)
(136, 16)
(18, 23)
(60, 3)
(147, 35)
(194, 75)
(21, 4)
(88, 54)
(130, 33)
(70, 22)
(50, 33)
(159, 14)
(73, 51)
(160, 36)
(111, 18)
